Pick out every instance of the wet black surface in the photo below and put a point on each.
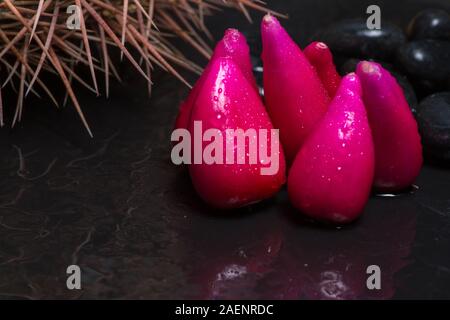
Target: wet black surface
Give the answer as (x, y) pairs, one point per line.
(117, 207)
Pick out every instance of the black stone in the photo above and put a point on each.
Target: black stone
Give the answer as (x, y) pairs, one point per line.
(408, 90)
(348, 66)
(433, 117)
(430, 24)
(424, 88)
(339, 60)
(426, 60)
(353, 38)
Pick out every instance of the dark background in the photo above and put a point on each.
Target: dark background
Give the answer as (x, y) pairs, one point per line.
(116, 205)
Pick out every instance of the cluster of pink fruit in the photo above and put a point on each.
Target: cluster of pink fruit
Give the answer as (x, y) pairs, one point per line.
(340, 138)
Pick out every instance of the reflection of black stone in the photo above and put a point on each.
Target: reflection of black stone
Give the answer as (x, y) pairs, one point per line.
(430, 24)
(426, 60)
(353, 38)
(433, 116)
(350, 66)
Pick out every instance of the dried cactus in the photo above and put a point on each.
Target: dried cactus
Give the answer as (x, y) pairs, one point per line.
(35, 37)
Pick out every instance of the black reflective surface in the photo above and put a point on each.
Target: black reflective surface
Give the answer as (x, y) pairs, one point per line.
(116, 206)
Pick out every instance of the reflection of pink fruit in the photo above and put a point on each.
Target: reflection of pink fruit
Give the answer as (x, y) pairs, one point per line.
(235, 274)
(319, 55)
(398, 150)
(232, 45)
(295, 97)
(301, 262)
(338, 270)
(331, 176)
(227, 100)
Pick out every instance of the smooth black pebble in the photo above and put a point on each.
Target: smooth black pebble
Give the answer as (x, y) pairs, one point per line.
(408, 90)
(433, 117)
(426, 60)
(430, 24)
(353, 38)
(348, 66)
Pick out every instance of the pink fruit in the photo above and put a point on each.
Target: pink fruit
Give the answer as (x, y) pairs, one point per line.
(320, 56)
(226, 101)
(398, 150)
(295, 97)
(233, 45)
(332, 175)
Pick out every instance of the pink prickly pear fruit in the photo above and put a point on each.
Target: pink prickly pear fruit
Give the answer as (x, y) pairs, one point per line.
(332, 175)
(398, 149)
(233, 45)
(295, 97)
(227, 102)
(321, 58)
